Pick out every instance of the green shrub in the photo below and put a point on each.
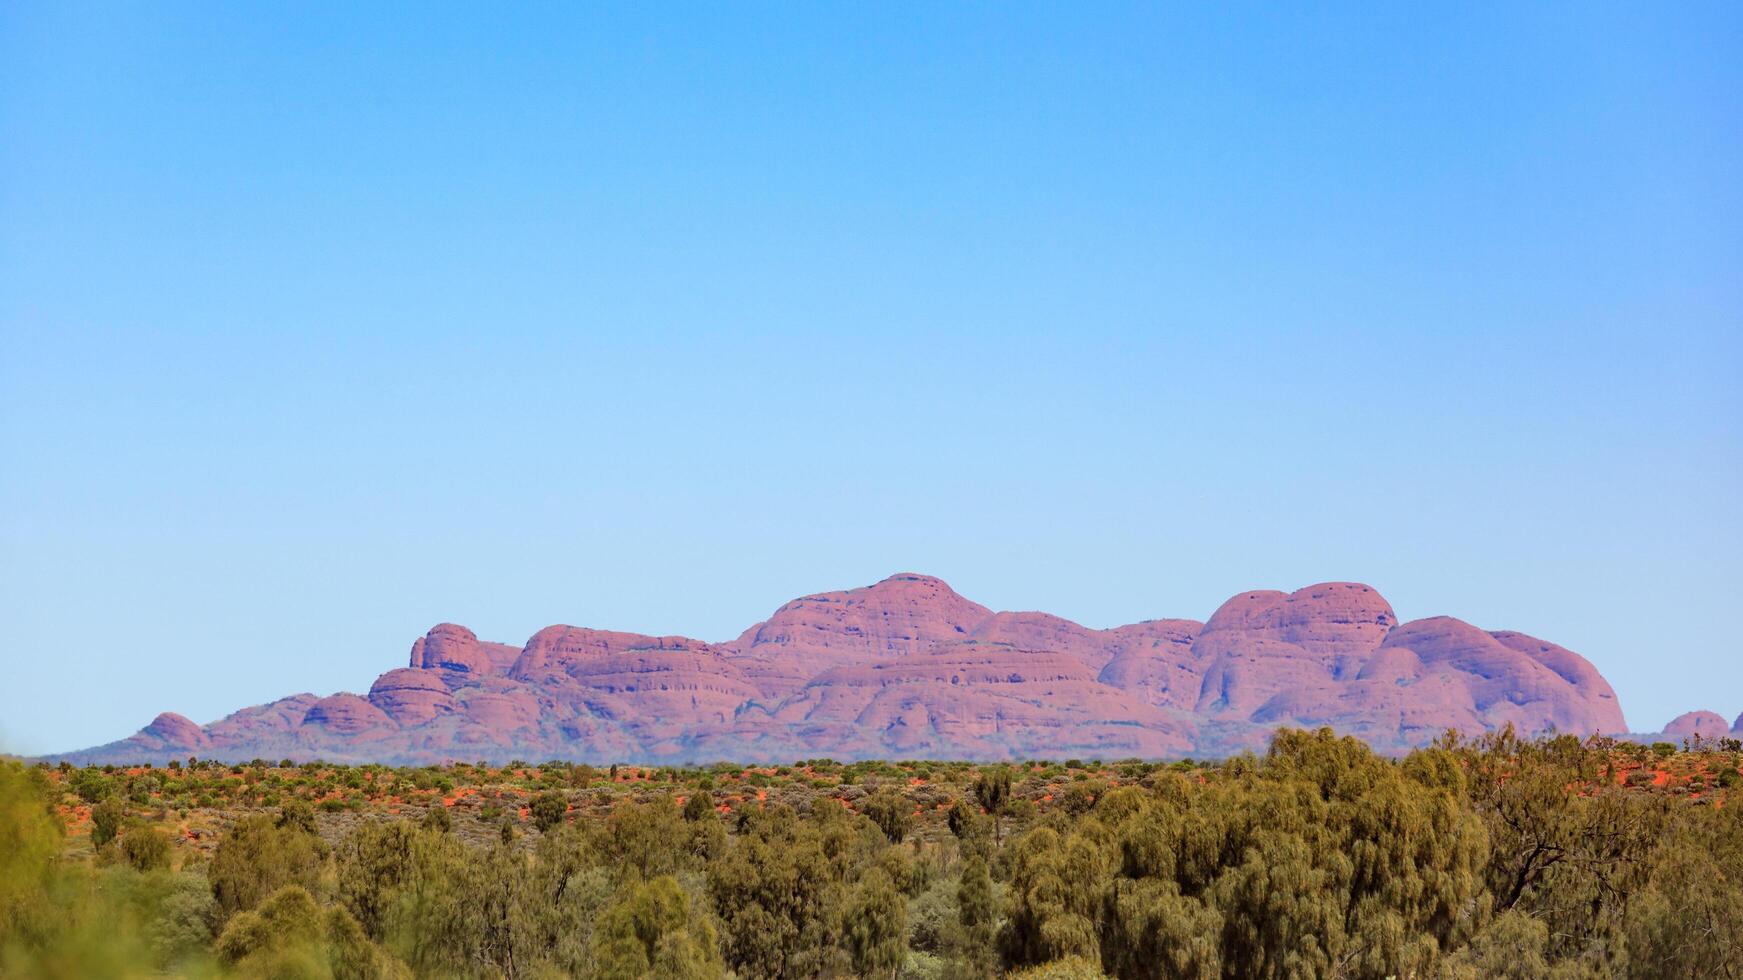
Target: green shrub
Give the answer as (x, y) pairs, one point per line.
(261, 855)
(146, 849)
(547, 810)
(106, 819)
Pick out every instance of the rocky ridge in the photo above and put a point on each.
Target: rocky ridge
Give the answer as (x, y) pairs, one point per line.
(909, 668)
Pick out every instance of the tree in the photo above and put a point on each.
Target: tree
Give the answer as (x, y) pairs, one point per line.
(1079, 797)
(891, 812)
(1686, 922)
(648, 840)
(428, 919)
(977, 916)
(1280, 913)
(877, 925)
(656, 931)
(1057, 884)
(778, 896)
(106, 819)
(699, 806)
(961, 819)
(146, 849)
(259, 856)
(289, 935)
(548, 809)
(993, 791)
(1153, 930)
(297, 815)
(92, 785)
(286, 924)
(374, 862)
(30, 843)
(176, 917)
(565, 895)
(1569, 859)
(496, 886)
(972, 830)
(1511, 948)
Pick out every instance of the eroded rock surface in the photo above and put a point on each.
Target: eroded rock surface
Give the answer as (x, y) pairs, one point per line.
(1706, 724)
(908, 668)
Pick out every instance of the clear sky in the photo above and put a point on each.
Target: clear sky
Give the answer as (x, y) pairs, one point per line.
(325, 323)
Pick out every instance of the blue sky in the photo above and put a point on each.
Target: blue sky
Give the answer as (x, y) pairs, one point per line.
(325, 323)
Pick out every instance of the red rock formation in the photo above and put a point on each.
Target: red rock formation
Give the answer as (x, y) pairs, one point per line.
(456, 648)
(411, 696)
(1706, 724)
(661, 684)
(172, 732)
(1260, 645)
(905, 613)
(907, 667)
(1737, 726)
(346, 714)
(1040, 631)
(1494, 680)
(1154, 661)
(992, 700)
(263, 723)
(511, 712)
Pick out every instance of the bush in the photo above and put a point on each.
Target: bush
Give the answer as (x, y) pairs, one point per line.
(436, 818)
(657, 930)
(891, 811)
(106, 818)
(146, 849)
(259, 856)
(548, 810)
(92, 786)
(1069, 968)
(699, 806)
(1499, 857)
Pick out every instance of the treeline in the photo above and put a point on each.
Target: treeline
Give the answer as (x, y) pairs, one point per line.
(1498, 857)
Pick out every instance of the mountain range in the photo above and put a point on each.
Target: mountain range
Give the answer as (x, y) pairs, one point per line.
(907, 668)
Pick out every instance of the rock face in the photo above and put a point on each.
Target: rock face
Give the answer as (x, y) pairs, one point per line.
(903, 614)
(412, 696)
(346, 714)
(171, 732)
(1706, 724)
(909, 668)
(456, 648)
(1266, 650)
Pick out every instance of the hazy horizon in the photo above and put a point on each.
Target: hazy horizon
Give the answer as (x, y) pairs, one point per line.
(321, 326)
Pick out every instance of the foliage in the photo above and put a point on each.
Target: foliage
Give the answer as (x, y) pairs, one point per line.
(146, 849)
(891, 811)
(1494, 857)
(877, 925)
(547, 810)
(106, 820)
(261, 855)
(657, 930)
(778, 898)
